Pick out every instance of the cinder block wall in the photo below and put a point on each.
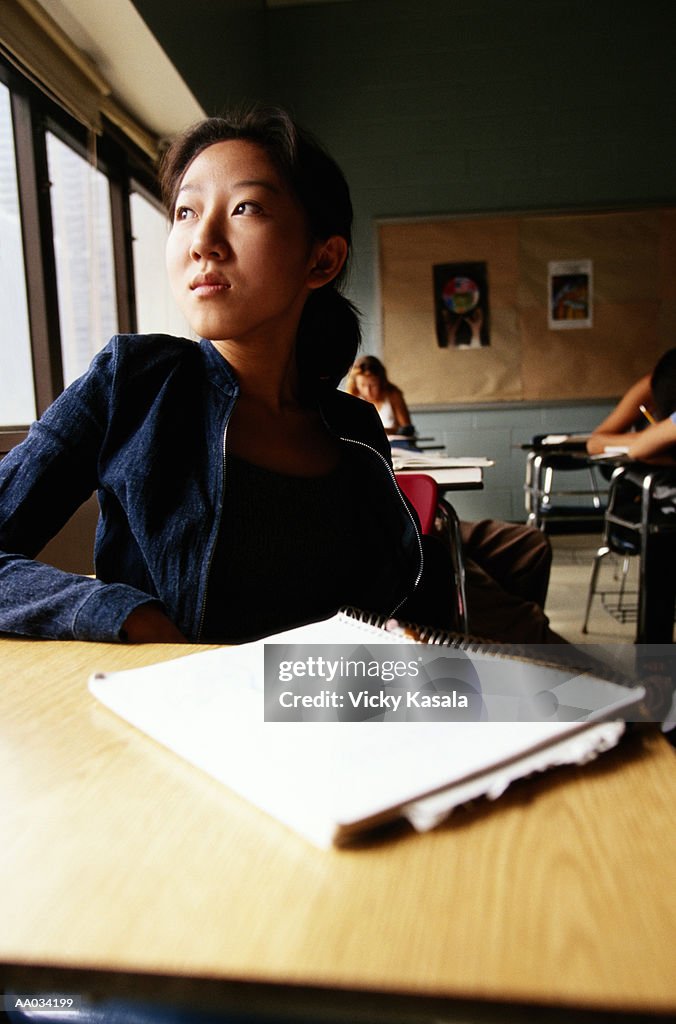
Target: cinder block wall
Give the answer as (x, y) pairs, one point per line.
(499, 433)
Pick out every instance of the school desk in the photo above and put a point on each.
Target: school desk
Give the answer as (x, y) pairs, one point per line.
(125, 870)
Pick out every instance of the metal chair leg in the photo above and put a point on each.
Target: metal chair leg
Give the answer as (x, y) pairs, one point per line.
(597, 501)
(534, 489)
(541, 492)
(623, 581)
(598, 558)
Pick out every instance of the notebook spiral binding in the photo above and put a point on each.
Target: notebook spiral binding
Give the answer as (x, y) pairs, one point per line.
(431, 635)
(562, 656)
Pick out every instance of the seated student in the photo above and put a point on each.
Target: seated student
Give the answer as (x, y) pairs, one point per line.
(656, 393)
(507, 564)
(368, 379)
(235, 481)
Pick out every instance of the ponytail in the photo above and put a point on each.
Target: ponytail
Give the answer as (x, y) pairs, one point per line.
(328, 339)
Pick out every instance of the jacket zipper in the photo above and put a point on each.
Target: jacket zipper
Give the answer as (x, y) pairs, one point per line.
(212, 553)
(363, 444)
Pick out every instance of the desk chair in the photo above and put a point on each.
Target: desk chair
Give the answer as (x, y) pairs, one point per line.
(541, 465)
(438, 518)
(637, 523)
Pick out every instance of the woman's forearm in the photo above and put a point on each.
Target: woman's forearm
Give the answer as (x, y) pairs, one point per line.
(653, 441)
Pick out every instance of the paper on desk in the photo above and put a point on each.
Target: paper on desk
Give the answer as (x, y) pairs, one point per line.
(402, 459)
(564, 439)
(327, 780)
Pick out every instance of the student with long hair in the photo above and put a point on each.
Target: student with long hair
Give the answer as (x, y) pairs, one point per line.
(235, 482)
(644, 423)
(368, 379)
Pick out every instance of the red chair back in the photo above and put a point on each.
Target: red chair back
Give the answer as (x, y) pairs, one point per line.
(421, 490)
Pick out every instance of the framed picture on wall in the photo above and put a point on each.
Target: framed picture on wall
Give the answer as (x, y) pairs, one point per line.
(570, 294)
(461, 305)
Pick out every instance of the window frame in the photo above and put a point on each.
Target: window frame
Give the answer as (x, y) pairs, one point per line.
(127, 169)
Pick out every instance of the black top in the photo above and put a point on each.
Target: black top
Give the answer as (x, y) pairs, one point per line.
(267, 575)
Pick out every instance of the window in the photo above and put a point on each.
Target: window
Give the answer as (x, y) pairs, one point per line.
(68, 198)
(83, 248)
(17, 397)
(156, 310)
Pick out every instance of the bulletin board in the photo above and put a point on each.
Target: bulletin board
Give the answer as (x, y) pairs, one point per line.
(575, 305)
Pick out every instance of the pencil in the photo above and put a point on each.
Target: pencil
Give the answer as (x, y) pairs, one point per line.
(648, 416)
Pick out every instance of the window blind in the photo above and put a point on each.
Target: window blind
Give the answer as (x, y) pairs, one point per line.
(36, 45)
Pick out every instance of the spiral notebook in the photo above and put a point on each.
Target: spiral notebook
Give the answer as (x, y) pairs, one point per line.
(333, 780)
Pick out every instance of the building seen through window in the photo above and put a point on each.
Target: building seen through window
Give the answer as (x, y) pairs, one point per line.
(156, 310)
(83, 247)
(17, 399)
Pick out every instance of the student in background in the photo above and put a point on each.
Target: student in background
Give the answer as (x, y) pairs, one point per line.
(649, 405)
(507, 564)
(258, 247)
(368, 379)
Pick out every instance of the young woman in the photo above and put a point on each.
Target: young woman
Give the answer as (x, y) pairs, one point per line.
(235, 481)
(652, 399)
(368, 379)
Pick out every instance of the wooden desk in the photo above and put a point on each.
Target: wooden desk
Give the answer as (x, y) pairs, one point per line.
(123, 869)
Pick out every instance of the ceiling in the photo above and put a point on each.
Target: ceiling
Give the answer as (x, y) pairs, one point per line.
(301, 3)
(146, 82)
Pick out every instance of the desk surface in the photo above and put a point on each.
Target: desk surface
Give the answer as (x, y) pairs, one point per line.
(118, 857)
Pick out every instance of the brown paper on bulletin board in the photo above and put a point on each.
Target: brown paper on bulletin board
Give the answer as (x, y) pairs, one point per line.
(633, 258)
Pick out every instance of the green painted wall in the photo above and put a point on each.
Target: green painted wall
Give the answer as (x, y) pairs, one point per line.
(438, 107)
(442, 107)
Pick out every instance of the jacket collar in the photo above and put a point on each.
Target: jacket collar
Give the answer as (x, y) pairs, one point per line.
(220, 372)
(343, 414)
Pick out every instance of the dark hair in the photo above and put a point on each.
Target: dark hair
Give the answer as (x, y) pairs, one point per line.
(328, 334)
(663, 385)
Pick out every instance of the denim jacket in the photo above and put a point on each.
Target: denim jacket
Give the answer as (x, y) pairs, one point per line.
(145, 426)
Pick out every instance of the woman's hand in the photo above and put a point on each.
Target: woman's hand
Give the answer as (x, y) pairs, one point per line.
(148, 624)
(654, 441)
(597, 442)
